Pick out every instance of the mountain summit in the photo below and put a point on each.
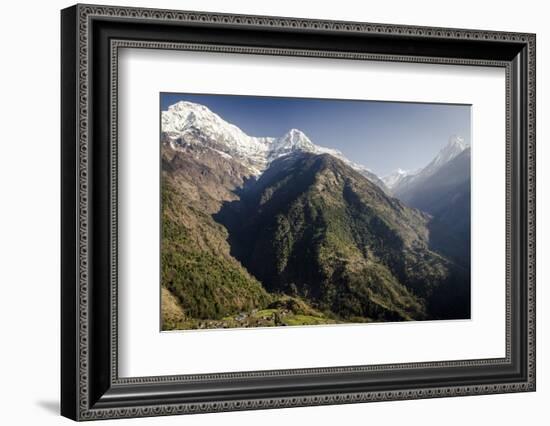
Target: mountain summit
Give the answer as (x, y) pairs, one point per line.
(396, 178)
(318, 230)
(401, 183)
(293, 140)
(453, 148)
(442, 189)
(187, 124)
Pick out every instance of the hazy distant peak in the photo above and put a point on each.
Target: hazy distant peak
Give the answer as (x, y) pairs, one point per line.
(457, 141)
(454, 147)
(401, 181)
(396, 178)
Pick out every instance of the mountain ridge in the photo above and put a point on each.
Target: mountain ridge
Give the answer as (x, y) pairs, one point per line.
(401, 182)
(319, 230)
(186, 123)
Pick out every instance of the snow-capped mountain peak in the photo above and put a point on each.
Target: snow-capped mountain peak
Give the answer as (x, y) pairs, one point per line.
(293, 140)
(457, 141)
(295, 136)
(187, 124)
(394, 179)
(453, 148)
(185, 115)
(188, 107)
(401, 182)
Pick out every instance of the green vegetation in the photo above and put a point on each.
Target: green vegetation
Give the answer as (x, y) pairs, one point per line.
(318, 230)
(271, 317)
(172, 313)
(205, 283)
(312, 242)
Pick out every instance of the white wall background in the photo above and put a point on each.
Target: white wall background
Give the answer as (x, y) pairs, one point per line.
(29, 212)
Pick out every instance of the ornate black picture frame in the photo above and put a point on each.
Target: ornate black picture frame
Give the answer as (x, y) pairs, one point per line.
(91, 36)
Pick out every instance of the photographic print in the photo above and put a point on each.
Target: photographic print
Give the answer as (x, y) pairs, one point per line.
(349, 207)
(279, 211)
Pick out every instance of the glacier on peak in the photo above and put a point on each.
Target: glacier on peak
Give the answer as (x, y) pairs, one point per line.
(401, 183)
(454, 147)
(394, 179)
(186, 123)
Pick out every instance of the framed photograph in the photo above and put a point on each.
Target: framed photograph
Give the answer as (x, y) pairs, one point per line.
(263, 212)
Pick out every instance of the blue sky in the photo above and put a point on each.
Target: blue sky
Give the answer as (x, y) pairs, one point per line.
(383, 136)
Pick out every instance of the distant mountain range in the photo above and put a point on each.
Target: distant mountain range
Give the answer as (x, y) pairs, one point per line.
(402, 182)
(260, 231)
(442, 189)
(185, 124)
